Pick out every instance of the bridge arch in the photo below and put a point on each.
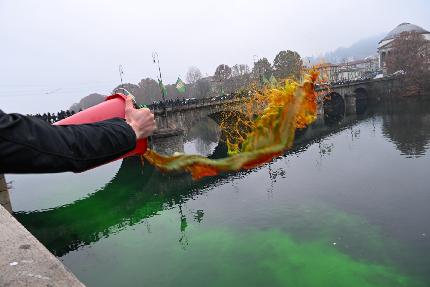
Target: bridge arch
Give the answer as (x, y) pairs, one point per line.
(334, 107)
(234, 125)
(361, 100)
(202, 137)
(361, 94)
(206, 127)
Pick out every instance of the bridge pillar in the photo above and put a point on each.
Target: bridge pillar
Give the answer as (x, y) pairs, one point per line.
(161, 121)
(350, 105)
(168, 141)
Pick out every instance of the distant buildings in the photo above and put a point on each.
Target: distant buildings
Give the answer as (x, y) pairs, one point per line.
(349, 70)
(385, 45)
(370, 66)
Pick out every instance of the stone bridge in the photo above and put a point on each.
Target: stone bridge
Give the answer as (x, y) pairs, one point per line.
(352, 96)
(337, 100)
(184, 117)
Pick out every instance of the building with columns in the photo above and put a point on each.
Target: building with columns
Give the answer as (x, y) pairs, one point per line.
(385, 45)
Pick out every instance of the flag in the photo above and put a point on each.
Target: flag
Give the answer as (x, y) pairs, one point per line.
(273, 81)
(163, 89)
(180, 86)
(221, 91)
(264, 80)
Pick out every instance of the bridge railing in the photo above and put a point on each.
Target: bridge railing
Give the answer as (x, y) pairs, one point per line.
(177, 105)
(344, 83)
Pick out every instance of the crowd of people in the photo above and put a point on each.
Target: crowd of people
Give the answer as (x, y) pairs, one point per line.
(54, 117)
(191, 101)
(345, 81)
(171, 103)
(160, 105)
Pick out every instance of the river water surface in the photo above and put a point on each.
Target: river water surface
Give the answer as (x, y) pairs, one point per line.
(349, 206)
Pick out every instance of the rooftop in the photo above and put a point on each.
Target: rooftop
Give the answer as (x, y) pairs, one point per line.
(404, 27)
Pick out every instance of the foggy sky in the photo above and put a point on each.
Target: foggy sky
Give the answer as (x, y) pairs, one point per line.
(55, 52)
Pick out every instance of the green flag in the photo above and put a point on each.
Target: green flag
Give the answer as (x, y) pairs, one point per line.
(264, 80)
(163, 89)
(180, 86)
(221, 91)
(273, 81)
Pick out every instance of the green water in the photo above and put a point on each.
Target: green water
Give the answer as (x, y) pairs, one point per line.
(349, 206)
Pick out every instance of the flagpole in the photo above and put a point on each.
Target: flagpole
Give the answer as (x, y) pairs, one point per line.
(121, 72)
(156, 61)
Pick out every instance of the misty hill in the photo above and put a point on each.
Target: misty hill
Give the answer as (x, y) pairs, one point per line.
(88, 101)
(148, 91)
(359, 50)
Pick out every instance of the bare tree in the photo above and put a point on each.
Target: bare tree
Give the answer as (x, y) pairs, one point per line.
(150, 91)
(240, 77)
(410, 56)
(239, 70)
(203, 88)
(222, 72)
(193, 75)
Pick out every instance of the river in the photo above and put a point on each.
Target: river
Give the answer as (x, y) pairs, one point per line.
(348, 206)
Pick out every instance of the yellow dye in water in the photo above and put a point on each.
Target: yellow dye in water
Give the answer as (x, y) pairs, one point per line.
(266, 130)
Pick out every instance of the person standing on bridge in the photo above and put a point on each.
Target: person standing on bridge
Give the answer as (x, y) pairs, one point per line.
(31, 145)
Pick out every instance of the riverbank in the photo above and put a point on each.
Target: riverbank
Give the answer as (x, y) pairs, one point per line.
(24, 261)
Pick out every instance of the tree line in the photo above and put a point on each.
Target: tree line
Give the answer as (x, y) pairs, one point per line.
(225, 80)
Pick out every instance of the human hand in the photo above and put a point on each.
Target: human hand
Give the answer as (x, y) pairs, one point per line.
(141, 120)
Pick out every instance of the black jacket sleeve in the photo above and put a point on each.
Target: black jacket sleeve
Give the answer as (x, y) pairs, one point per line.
(31, 145)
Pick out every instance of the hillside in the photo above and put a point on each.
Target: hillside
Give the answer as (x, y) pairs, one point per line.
(88, 101)
(361, 49)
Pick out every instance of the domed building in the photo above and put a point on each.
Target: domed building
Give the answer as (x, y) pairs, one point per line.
(384, 46)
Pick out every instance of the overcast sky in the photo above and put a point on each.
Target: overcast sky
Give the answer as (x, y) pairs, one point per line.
(53, 53)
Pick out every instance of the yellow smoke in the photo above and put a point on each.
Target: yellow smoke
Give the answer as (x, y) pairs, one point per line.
(266, 130)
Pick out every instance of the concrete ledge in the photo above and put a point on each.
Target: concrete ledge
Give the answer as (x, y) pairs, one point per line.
(4, 194)
(24, 261)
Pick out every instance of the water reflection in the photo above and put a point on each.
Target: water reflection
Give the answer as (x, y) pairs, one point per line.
(354, 209)
(139, 192)
(202, 138)
(334, 109)
(134, 194)
(407, 124)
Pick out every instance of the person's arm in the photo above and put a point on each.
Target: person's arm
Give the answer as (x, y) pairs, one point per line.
(31, 145)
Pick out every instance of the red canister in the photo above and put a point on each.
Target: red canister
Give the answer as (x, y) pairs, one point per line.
(112, 107)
